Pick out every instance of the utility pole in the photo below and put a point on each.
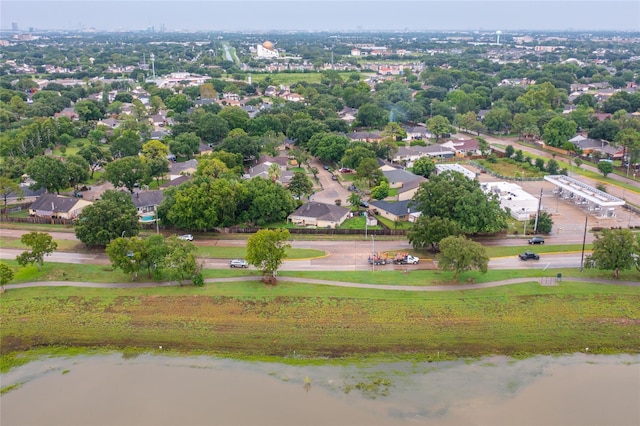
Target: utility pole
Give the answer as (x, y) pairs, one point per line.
(535, 225)
(584, 240)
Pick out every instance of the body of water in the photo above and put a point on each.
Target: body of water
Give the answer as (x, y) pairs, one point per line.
(159, 390)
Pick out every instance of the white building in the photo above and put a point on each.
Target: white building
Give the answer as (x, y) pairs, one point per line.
(520, 203)
(266, 50)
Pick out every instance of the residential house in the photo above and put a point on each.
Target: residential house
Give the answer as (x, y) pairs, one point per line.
(188, 167)
(348, 114)
(404, 181)
(416, 133)
(375, 136)
(401, 211)
(463, 147)
(68, 112)
(262, 170)
(111, 123)
(57, 206)
(319, 215)
(441, 168)
(146, 201)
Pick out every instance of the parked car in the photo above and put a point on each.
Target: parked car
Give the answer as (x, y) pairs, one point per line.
(345, 170)
(334, 177)
(528, 255)
(238, 263)
(186, 237)
(536, 240)
(364, 204)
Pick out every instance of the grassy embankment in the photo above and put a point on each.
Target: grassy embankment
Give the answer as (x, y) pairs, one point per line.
(250, 319)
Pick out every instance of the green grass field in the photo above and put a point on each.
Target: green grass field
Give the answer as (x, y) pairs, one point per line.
(251, 319)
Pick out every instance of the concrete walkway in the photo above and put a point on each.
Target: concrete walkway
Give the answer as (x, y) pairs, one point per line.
(451, 287)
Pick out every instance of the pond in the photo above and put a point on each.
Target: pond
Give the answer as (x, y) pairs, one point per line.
(115, 389)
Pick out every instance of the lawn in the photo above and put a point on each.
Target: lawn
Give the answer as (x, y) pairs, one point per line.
(251, 319)
(357, 222)
(395, 225)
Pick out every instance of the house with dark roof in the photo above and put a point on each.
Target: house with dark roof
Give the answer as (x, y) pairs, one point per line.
(375, 136)
(262, 170)
(178, 169)
(398, 210)
(57, 207)
(147, 201)
(319, 215)
(406, 182)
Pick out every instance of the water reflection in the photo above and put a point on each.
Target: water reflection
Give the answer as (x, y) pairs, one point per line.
(120, 389)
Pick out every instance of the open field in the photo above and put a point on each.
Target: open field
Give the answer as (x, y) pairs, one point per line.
(251, 319)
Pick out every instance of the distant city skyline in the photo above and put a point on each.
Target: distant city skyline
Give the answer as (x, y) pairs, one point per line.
(326, 15)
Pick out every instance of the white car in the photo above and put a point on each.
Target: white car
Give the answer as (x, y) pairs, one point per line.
(238, 263)
(186, 237)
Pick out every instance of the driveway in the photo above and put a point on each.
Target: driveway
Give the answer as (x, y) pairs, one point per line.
(331, 190)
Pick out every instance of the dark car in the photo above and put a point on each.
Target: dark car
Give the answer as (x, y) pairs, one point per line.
(528, 255)
(536, 240)
(334, 177)
(364, 204)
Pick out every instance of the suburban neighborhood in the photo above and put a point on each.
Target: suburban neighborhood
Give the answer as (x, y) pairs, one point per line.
(304, 196)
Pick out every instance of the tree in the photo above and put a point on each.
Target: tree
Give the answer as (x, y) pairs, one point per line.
(155, 155)
(439, 126)
(545, 223)
(211, 128)
(429, 231)
(577, 161)
(49, 173)
(381, 191)
(552, 167)
(451, 195)
(77, 170)
(300, 184)
(41, 244)
(508, 151)
(457, 253)
(9, 187)
(614, 250)
(369, 170)
(95, 156)
(127, 172)
(424, 166)
(371, 115)
(181, 261)
(88, 110)
(558, 131)
(185, 145)
(274, 172)
(266, 250)
(6, 275)
(355, 199)
(128, 254)
(328, 147)
(235, 116)
(497, 119)
(605, 167)
(113, 216)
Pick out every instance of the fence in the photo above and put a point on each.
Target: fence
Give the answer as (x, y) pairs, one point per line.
(15, 207)
(37, 220)
(324, 231)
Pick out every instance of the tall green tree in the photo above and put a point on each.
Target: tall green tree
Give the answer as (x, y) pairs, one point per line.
(181, 261)
(545, 222)
(6, 275)
(453, 196)
(605, 167)
(95, 156)
(429, 231)
(113, 216)
(127, 172)
(266, 251)
(424, 166)
(49, 173)
(369, 170)
(439, 126)
(558, 131)
(458, 254)
(9, 187)
(300, 184)
(615, 250)
(77, 170)
(41, 245)
(128, 254)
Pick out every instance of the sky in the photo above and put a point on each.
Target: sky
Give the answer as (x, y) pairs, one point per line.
(323, 15)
